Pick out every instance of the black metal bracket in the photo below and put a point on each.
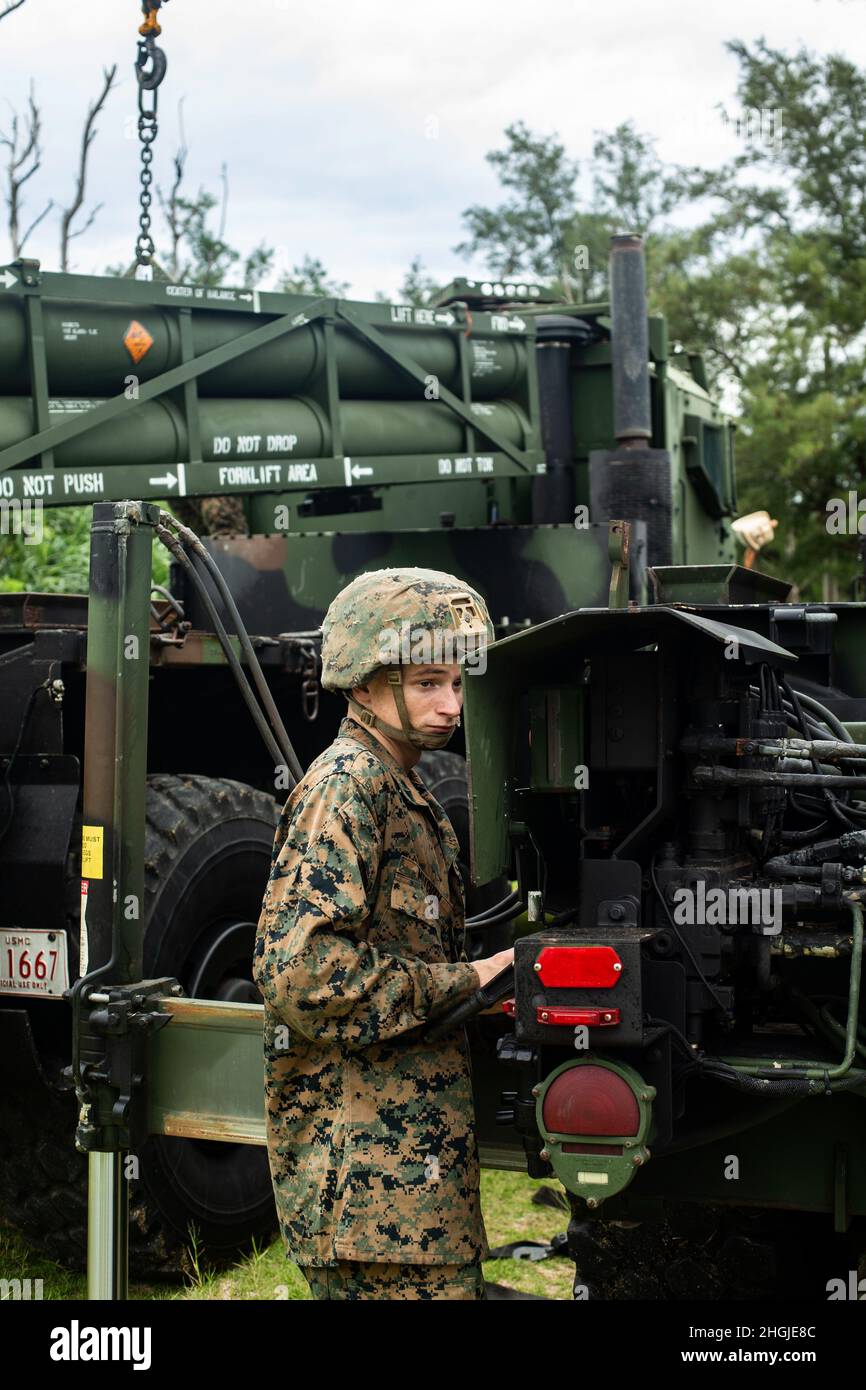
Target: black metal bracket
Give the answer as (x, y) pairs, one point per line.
(116, 1022)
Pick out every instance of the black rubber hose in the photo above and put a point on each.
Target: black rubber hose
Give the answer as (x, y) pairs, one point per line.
(289, 756)
(496, 909)
(830, 719)
(832, 803)
(781, 1085)
(472, 924)
(177, 550)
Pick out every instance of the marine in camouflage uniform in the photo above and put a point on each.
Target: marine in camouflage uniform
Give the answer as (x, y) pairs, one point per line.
(212, 516)
(371, 1137)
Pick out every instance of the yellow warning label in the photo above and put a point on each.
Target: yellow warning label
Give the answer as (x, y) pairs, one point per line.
(137, 340)
(91, 851)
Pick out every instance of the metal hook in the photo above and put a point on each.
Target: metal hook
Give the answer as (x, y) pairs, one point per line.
(149, 53)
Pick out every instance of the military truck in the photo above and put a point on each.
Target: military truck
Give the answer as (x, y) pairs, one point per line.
(681, 789)
(495, 433)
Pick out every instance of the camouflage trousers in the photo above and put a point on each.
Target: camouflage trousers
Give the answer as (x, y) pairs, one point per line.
(364, 1279)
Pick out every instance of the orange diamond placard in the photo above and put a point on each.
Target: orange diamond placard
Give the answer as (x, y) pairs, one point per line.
(137, 340)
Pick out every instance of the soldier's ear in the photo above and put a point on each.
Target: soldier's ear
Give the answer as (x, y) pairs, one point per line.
(364, 697)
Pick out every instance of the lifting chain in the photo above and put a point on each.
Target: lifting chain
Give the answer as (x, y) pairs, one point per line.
(150, 65)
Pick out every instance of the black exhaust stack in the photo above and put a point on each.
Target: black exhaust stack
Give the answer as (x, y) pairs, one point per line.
(632, 482)
(553, 492)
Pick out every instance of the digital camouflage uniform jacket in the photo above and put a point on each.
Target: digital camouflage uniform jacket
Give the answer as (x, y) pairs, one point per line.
(371, 1136)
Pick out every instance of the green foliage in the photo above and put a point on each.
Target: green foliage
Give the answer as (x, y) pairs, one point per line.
(417, 287)
(770, 284)
(311, 277)
(803, 393)
(633, 189)
(543, 231)
(203, 256)
(59, 562)
(531, 233)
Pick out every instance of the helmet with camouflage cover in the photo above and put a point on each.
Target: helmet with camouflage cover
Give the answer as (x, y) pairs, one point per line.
(390, 617)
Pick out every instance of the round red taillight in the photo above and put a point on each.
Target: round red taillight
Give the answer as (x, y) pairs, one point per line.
(590, 1100)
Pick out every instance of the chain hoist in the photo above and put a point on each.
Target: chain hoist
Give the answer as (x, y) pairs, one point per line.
(150, 65)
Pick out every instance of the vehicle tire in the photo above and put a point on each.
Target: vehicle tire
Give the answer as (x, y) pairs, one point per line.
(445, 777)
(208, 846)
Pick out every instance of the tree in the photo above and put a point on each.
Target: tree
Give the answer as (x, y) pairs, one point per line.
(532, 233)
(210, 257)
(199, 253)
(87, 138)
(416, 287)
(802, 373)
(311, 277)
(543, 231)
(631, 185)
(25, 158)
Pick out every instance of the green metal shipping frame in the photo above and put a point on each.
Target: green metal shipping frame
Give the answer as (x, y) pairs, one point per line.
(34, 305)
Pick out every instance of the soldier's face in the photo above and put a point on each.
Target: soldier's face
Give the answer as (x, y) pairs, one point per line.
(434, 697)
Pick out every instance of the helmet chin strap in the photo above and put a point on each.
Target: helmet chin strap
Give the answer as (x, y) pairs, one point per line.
(407, 733)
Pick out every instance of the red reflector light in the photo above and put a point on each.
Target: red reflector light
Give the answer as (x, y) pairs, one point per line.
(590, 1018)
(590, 1100)
(579, 967)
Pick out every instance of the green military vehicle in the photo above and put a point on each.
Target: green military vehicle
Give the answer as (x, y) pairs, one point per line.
(496, 434)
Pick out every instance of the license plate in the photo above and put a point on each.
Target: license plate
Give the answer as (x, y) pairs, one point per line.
(34, 963)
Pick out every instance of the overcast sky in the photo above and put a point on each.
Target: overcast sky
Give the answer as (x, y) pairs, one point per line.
(356, 132)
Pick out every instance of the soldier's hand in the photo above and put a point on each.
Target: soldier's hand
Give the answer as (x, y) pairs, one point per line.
(494, 965)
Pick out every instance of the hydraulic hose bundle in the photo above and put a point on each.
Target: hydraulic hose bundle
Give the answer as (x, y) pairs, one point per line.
(175, 536)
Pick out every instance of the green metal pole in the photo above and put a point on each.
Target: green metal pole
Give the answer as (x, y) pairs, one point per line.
(115, 769)
(107, 1227)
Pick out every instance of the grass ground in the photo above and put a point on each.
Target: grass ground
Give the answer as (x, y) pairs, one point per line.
(509, 1214)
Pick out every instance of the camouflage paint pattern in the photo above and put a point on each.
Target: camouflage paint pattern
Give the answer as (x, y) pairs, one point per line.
(284, 583)
(362, 1279)
(371, 1131)
(389, 598)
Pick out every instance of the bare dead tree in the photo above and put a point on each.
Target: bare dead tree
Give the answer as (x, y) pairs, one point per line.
(224, 177)
(87, 138)
(13, 5)
(24, 149)
(171, 207)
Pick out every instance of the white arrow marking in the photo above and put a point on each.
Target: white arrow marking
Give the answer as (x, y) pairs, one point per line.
(169, 480)
(445, 318)
(516, 323)
(359, 472)
(245, 296)
(9, 279)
